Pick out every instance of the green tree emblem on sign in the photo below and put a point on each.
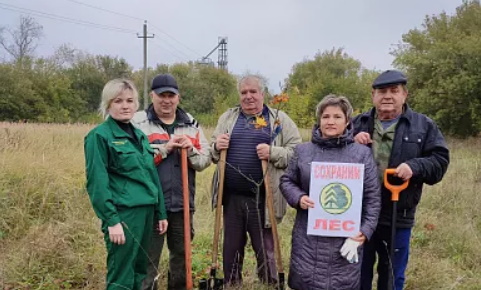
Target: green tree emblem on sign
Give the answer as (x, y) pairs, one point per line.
(335, 198)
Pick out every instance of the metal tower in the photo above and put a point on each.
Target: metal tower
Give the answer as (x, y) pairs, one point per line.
(222, 60)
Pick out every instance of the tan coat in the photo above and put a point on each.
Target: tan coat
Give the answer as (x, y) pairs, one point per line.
(281, 151)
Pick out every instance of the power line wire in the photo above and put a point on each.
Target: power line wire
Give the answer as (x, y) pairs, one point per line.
(197, 55)
(161, 45)
(105, 10)
(158, 44)
(63, 18)
(174, 48)
(168, 35)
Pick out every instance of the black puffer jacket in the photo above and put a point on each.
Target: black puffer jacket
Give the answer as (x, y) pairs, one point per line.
(419, 143)
(315, 261)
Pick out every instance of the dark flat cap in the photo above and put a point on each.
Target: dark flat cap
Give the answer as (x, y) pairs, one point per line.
(389, 78)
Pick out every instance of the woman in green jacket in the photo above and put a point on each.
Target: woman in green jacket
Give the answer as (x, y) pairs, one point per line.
(123, 186)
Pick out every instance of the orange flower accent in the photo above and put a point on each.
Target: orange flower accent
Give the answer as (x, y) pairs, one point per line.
(260, 122)
(278, 99)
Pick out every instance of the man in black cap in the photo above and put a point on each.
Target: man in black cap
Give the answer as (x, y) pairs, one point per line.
(170, 128)
(411, 143)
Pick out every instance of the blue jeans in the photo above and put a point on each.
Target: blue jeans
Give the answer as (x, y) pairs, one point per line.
(379, 243)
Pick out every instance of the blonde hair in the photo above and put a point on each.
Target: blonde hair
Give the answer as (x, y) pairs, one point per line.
(113, 89)
(336, 101)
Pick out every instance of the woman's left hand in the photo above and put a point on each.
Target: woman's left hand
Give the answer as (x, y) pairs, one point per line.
(163, 224)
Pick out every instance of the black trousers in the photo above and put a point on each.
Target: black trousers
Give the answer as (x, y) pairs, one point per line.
(244, 215)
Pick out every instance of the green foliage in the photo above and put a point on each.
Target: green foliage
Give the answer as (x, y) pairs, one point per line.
(443, 63)
(330, 72)
(36, 91)
(90, 73)
(202, 86)
(67, 87)
(300, 111)
(18, 101)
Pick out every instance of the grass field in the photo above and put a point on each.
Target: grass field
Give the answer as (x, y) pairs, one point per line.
(50, 238)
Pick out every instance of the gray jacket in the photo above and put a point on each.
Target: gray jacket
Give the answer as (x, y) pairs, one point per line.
(168, 165)
(281, 151)
(315, 261)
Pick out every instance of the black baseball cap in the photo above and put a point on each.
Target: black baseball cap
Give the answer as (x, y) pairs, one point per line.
(164, 83)
(389, 78)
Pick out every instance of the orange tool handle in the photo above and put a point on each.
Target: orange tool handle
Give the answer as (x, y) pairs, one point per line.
(186, 197)
(394, 189)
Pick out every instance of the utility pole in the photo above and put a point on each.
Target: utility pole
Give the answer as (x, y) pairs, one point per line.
(145, 36)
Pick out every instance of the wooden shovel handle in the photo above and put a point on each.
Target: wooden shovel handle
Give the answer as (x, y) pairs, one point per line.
(270, 208)
(187, 238)
(218, 208)
(394, 189)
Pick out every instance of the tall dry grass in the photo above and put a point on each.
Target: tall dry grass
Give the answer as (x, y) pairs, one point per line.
(50, 237)
(447, 237)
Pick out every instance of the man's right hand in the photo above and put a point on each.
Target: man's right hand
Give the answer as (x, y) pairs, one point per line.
(222, 142)
(363, 138)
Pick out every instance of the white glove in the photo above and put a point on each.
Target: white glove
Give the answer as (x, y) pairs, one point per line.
(159, 149)
(349, 250)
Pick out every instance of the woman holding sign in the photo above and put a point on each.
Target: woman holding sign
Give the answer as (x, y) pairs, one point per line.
(332, 182)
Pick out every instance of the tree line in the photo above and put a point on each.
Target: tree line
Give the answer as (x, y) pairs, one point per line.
(442, 60)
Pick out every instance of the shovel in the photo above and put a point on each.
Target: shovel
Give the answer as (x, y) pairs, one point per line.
(186, 197)
(395, 190)
(213, 283)
(270, 208)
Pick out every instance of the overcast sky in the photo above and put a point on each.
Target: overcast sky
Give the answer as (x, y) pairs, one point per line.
(264, 36)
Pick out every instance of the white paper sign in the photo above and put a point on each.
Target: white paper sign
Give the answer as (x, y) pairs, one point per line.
(336, 189)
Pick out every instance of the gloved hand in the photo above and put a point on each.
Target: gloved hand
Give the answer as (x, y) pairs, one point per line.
(156, 148)
(349, 250)
(159, 152)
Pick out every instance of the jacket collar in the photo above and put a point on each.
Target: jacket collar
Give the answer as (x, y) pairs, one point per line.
(181, 116)
(237, 109)
(117, 131)
(406, 115)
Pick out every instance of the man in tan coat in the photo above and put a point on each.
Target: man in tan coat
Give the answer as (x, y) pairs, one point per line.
(252, 132)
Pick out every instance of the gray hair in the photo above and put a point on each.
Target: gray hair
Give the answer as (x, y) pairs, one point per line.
(251, 77)
(336, 101)
(113, 89)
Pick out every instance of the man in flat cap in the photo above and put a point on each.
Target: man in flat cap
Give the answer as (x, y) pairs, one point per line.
(411, 143)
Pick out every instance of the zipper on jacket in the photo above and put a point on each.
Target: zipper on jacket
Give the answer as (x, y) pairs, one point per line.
(405, 210)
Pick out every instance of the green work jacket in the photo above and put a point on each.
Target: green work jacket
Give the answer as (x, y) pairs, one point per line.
(120, 172)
